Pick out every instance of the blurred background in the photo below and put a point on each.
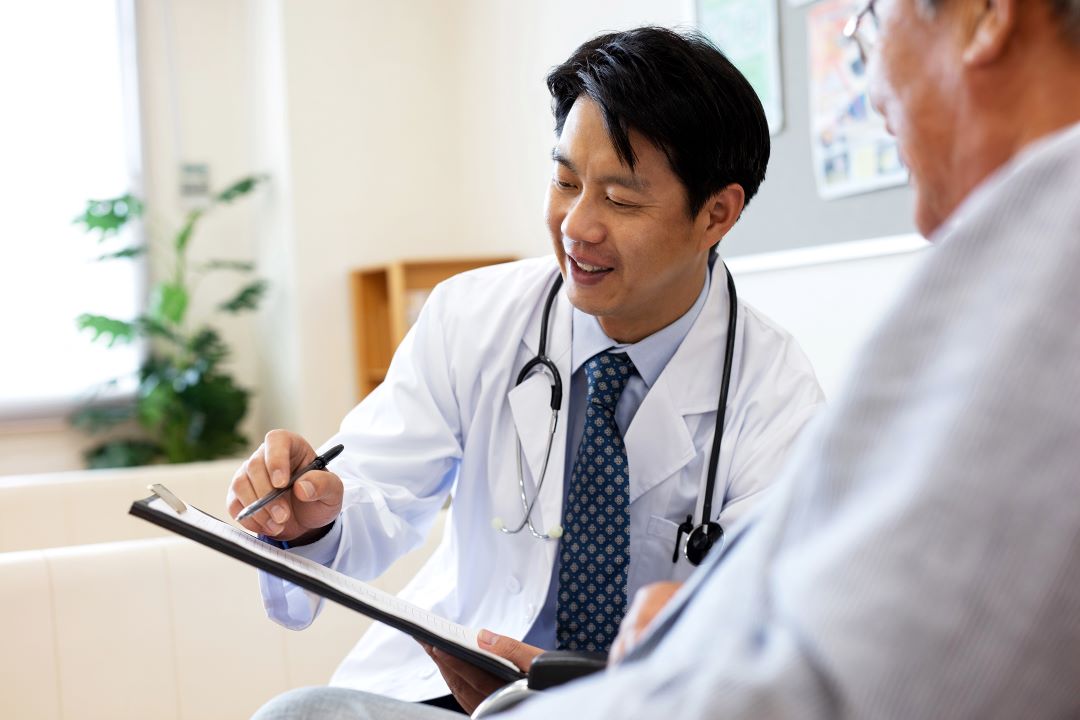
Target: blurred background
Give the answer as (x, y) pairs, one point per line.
(379, 133)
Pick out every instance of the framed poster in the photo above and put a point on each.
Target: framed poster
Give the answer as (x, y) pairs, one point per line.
(747, 31)
(852, 152)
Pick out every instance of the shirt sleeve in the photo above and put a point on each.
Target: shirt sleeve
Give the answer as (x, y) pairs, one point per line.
(403, 445)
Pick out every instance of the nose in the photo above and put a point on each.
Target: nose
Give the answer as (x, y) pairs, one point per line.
(876, 89)
(582, 222)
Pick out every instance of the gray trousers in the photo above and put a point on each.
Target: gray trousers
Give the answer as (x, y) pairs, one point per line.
(332, 703)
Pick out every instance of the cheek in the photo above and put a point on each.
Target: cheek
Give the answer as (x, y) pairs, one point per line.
(553, 214)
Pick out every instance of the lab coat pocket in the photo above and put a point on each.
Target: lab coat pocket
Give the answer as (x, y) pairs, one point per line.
(661, 546)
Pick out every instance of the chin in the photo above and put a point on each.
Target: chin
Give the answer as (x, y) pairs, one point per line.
(928, 217)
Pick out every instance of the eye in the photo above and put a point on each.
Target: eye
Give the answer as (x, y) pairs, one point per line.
(564, 185)
(618, 204)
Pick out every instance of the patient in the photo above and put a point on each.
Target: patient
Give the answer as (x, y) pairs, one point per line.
(922, 558)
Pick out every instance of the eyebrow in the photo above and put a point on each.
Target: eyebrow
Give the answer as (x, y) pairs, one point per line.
(632, 181)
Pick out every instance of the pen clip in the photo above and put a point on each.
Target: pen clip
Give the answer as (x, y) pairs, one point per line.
(165, 494)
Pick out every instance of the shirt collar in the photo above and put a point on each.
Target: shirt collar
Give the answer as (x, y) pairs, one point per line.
(650, 355)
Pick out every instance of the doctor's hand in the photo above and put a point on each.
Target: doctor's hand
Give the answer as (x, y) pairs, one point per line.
(300, 515)
(469, 684)
(647, 604)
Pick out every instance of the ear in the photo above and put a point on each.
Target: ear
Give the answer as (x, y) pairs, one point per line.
(720, 213)
(995, 22)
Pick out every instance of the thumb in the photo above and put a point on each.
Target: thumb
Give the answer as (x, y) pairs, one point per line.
(321, 485)
(513, 650)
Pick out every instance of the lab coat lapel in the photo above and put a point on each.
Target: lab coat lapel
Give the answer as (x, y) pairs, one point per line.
(658, 441)
(530, 405)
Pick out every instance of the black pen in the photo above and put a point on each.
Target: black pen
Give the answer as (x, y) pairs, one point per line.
(319, 463)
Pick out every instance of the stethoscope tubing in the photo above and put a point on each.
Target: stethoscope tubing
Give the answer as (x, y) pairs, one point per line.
(698, 539)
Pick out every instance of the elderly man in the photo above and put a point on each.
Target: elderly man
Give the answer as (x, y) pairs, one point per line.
(922, 558)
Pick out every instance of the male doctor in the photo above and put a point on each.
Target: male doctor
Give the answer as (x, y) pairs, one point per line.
(660, 143)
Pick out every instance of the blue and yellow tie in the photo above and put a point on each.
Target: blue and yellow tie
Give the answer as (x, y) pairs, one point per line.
(595, 553)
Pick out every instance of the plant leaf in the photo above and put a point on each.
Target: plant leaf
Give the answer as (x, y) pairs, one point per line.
(239, 265)
(247, 299)
(215, 407)
(130, 252)
(111, 329)
(239, 188)
(153, 327)
(168, 303)
(184, 236)
(157, 398)
(122, 453)
(208, 348)
(96, 418)
(109, 216)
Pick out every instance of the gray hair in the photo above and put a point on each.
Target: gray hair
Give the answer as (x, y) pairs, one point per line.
(1067, 11)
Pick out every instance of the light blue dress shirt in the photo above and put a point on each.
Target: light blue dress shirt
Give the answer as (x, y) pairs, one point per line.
(650, 356)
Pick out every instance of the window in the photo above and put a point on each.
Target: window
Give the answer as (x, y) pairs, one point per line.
(67, 133)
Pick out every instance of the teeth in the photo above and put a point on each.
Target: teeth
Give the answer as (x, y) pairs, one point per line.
(589, 268)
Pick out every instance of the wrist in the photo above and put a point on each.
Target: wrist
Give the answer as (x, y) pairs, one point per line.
(303, 539)
(312, 535)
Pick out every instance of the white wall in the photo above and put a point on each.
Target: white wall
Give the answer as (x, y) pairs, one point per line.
(371, 130)
(830, 298)
(507, 128)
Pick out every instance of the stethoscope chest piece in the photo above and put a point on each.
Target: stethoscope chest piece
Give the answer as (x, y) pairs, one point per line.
(701, 539)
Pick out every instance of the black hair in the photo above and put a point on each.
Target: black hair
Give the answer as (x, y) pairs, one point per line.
(681, 93)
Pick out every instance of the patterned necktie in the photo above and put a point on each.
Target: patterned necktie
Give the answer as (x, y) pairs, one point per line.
(595, 551)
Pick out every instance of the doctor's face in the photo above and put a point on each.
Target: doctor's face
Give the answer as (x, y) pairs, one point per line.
(629, 252)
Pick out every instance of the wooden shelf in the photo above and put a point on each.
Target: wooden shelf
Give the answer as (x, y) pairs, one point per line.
(386, 300)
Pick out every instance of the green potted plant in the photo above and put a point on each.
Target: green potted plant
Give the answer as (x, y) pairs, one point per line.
(185, 406)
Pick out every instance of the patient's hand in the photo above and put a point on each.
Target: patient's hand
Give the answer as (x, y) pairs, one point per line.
(647, 603)
(469, 684)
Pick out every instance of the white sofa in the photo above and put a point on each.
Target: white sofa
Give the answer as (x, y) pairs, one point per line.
(106, 616)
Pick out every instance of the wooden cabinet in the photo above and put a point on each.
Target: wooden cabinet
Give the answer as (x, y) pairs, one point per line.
(386, 301)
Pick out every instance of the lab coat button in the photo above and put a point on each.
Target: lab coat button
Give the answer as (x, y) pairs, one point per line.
(513, 586)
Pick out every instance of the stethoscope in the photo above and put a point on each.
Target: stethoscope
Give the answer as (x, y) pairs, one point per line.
(699, 538)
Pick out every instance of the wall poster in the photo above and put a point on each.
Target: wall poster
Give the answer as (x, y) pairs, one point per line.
(852, 152)
(747, 32)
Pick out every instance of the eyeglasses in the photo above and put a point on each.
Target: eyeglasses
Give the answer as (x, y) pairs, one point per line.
(862, 28)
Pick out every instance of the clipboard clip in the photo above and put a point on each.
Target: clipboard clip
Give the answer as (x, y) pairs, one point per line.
(165, 494)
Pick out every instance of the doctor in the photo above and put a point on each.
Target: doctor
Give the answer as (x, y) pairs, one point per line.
(660, 142)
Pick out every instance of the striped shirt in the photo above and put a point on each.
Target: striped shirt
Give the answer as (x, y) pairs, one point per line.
(921, 558)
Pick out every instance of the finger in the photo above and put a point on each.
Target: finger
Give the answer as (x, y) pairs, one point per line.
(622, 644)
(513, 650)
(284, 452)
(317, 498)
(468, 684)
(454, 681)
(320, 486)
(279, 510)
(257, 474)
(615, 654)
(242, 492)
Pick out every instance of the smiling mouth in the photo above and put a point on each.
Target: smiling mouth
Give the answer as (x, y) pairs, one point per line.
(586, 267)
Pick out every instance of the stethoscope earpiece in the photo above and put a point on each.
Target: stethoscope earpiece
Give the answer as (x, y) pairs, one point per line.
(497, 523)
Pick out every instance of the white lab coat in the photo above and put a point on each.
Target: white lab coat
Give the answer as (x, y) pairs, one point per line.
(447, 420)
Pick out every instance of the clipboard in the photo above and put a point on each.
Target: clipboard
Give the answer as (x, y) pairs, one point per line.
(168, 511)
